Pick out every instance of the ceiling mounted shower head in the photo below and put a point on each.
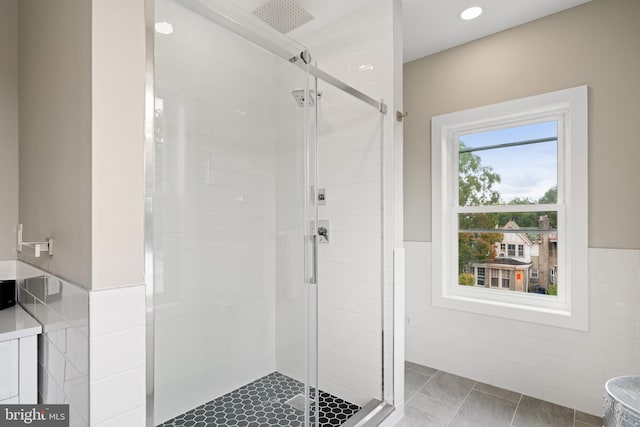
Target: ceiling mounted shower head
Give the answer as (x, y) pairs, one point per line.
(283, 15)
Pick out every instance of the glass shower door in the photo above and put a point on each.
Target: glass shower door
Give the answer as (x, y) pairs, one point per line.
(266, 230)
(352, 340)
(232, 177)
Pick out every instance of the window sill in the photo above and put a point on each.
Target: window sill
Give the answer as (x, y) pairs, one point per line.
(556, 315)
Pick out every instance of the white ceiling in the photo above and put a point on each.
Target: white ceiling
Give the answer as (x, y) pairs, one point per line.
(431, 26)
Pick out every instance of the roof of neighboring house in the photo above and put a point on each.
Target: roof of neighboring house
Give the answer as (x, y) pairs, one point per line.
(507, 261)
(513, 226)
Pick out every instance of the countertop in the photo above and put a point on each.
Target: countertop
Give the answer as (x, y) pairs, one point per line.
(17, 323)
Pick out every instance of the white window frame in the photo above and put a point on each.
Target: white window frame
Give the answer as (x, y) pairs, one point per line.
(569, 309)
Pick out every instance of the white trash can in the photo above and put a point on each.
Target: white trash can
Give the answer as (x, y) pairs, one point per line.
(622, 402)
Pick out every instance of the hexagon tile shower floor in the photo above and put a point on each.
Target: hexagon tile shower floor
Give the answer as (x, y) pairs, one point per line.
(262, 403)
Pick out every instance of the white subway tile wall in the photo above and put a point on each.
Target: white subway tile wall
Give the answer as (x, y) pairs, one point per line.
(220, 116)
(117, 359)
(564, 366)
(63, 347)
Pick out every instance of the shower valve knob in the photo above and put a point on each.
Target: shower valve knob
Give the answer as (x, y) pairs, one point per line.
(323, 231)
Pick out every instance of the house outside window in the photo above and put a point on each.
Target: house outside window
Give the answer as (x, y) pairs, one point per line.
(523, 163)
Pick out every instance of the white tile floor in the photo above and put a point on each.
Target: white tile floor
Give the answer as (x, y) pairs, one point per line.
(436, 398)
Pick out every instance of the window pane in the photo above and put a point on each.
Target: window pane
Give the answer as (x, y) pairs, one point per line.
(502, 255)
(515, 165)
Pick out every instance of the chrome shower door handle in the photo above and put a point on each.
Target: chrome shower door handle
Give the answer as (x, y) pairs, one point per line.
(314, 260)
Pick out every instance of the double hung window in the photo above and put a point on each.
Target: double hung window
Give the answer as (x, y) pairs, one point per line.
(509, 193)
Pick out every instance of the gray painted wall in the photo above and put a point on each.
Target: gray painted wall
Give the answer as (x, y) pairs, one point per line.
(594, 44)
(55, 133)
(82, 137)
(8, 127)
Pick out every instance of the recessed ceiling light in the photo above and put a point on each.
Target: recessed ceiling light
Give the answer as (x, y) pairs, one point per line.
(164, 27)
(471, 13)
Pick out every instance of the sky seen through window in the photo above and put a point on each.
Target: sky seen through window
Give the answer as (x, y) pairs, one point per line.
(526, 171)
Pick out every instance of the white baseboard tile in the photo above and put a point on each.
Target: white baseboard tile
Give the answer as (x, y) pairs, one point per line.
(134, 418)
(116, 395)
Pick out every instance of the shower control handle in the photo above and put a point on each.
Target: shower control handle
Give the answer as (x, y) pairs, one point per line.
(323, 231)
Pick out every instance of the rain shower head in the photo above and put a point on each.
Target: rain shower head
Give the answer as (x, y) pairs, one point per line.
(298, 95)
(283, 15)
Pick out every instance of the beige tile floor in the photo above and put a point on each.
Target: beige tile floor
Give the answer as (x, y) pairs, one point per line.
(436, 398)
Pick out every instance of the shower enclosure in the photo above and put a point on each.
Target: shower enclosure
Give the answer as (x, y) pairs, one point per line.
(265, 231)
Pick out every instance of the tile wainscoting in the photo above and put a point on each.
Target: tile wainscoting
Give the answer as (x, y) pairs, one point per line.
(117, 357)
(104, 386)
(62, 309)
(565, 366)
